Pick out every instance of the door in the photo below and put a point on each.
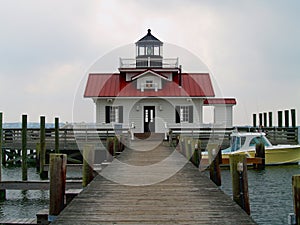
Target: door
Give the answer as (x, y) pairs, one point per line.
(149, 119)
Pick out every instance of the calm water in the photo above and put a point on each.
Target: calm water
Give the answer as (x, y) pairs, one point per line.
(270, 194)
(25, 204)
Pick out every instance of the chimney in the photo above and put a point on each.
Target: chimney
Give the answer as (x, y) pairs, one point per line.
(180, 76)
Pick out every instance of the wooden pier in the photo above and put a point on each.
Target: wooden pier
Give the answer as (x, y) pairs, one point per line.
(187, 197)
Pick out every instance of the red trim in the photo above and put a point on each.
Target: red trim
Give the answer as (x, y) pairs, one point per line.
(150, 70)
(216, 101)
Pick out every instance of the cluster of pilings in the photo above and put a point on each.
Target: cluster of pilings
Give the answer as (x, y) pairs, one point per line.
(265, 119)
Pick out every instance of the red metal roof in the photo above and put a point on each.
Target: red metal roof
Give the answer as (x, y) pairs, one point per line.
(114, 85)
(215, 101)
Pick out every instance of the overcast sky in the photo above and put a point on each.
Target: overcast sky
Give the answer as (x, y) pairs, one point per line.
(251, 47)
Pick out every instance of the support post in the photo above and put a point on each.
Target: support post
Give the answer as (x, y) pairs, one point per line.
(293, 113)
(265, 119)
(56, 135)
(296, 196)
(196, 158)
(279, 118)
(270, 119)
(238, 170)
(260, 119)
(260, 152)
(88, 164)
(37, 159)
(3, 191)
(58, 166)
(286, 115)
(24, 148)
(254, 120)
(43, 174)
(214, 154)
(1, 138)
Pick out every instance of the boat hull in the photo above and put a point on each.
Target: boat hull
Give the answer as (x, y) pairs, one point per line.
(274, 156)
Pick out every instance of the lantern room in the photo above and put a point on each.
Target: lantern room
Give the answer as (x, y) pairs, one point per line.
(149, 51)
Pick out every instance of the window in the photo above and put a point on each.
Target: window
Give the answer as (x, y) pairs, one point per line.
(150, 50)
(184, 114)
(114, 114)
(149, 83)
(141, 50)
(258, 140)
(156, 50)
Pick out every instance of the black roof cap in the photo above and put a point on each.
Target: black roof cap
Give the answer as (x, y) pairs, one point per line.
(149, 38)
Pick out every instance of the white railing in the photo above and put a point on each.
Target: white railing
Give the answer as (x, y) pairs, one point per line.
(148, 62)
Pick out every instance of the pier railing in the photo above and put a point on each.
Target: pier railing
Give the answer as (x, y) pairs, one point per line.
(68, 137)
(277, 135)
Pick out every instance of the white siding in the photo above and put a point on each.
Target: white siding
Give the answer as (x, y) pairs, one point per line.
(223, 116)
(133, 112)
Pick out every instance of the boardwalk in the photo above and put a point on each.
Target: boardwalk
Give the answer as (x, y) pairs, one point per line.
(188, 197)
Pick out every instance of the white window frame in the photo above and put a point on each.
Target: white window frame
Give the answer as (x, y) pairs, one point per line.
(184, 114)
(114, 114)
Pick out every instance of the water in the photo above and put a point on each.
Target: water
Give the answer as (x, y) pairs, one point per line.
(25, 204)
(270, 193)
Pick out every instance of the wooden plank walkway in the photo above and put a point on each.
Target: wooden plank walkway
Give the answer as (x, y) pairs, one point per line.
(188, 197)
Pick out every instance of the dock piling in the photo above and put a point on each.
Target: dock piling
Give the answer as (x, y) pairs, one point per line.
(286, 120)
(24, 148)
(56, 135)
(270, 119)
(58, 163)
(293, 113)
(2, 192)
(238, 170)
(43, 174)
(296, 194)
(254, 120)
(214, 159)
(87, 168)
(260, 152)
(280, 119)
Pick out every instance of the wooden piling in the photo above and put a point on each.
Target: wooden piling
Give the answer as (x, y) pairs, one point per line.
(254, 120)
(238, 170)
(24, 148)
(1, 138)
(260, 119)
(293, 114)
(286, 118)
(260, 152)
(196, 158)
(265, 119)
(37, 157)
(279, 118)
(2, 192)
(58, 163)
(56, 135)
(214, 153)
(43, 173)
(270, 119)
(88, 164)
(296, 196)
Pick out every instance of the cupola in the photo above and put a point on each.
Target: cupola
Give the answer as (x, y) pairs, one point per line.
(149, 51)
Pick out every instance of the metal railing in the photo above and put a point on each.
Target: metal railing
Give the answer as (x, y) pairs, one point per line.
(149, 62)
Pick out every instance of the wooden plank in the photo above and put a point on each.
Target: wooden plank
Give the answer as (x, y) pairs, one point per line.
(187, 197)
(36, 185)
(18, 221)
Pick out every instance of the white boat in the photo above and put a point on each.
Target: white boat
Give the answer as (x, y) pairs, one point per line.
(244, 143)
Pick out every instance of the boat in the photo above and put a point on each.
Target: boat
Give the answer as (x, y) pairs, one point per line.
(244, 143)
